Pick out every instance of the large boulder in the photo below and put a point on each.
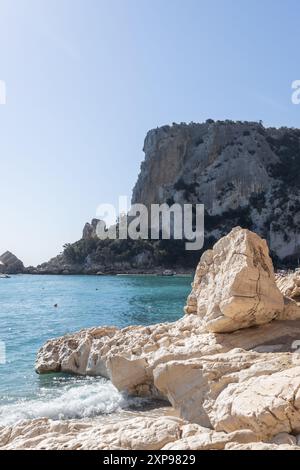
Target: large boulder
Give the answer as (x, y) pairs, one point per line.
(234, 285)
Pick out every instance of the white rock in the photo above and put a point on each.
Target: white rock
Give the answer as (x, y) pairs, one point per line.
(207, 439)
(289, 284)
(235, 391)
(129, 434)
(136, 433)
(129, 356)
(225, 366)
(234, 285)
(260, 446)
(284, 438)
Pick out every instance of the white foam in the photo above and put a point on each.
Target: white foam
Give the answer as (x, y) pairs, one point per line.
(86, 399)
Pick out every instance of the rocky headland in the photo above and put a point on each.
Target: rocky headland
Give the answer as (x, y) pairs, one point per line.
(244, 173)
(229, 367)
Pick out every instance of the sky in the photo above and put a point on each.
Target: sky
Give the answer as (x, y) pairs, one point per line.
(86, 79)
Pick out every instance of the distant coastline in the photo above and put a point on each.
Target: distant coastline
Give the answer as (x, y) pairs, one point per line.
(35, 272)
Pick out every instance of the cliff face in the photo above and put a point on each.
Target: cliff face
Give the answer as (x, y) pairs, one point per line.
(243, 173)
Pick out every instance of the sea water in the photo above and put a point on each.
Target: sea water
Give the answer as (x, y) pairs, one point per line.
(28, 318)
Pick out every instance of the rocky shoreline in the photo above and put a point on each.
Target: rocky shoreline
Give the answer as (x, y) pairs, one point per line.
(133, 272)
(229, 367)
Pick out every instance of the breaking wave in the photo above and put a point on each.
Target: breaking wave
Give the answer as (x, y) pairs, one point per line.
(76, 399)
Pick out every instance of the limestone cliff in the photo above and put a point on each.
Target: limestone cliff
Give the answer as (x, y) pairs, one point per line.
(244, 173)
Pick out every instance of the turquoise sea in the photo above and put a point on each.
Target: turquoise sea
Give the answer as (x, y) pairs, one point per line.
(28, 318)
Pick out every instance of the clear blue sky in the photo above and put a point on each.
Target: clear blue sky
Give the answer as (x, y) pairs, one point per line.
(86, 79)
